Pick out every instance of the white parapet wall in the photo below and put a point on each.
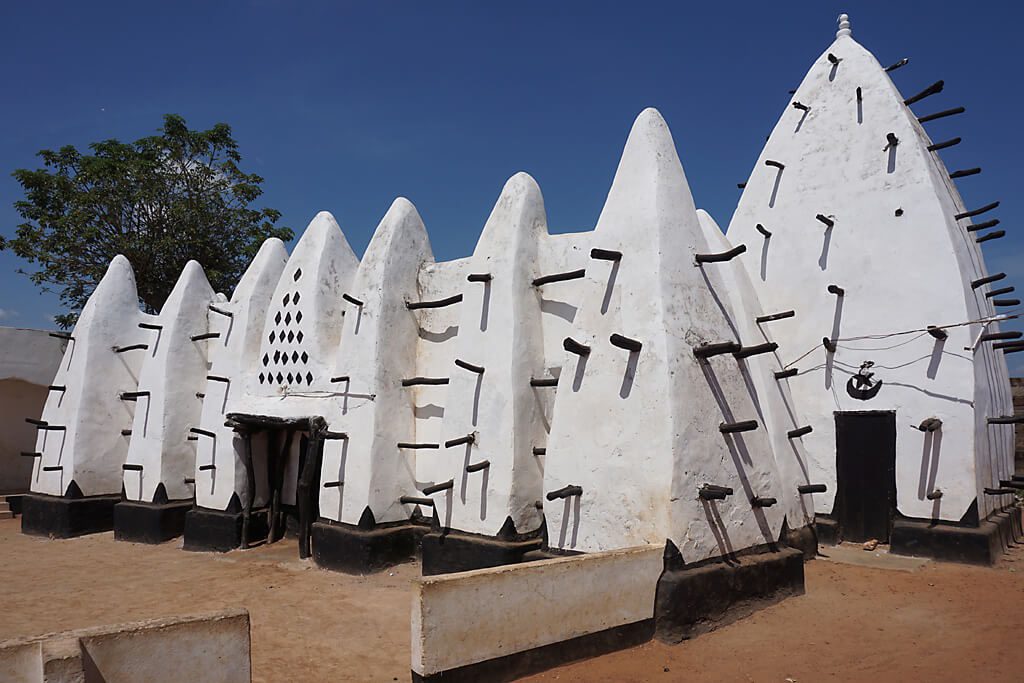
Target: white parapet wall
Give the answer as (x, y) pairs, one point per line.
(468, 618)
(213, 648)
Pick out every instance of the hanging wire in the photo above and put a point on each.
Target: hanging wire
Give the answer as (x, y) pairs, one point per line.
(1009, 315)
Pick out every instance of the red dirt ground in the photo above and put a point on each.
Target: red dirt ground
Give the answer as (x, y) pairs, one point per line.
(940, 623)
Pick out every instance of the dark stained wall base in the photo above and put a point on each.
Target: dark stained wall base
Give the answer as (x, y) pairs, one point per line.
(827, 530)
(141, 522)
(453, 551)
(354, 550)
(219, 530)
(514, 666)
(982, 545)
(61, 517)
(691, 601)
(804, 539)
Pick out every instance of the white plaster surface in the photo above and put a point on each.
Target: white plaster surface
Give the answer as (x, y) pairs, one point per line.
(377, 351)
(173, 371)
(500, 331)
(91, 450)
(899, 273)
(639, 432)
(212, 648)
(470, 617)
(234, 355)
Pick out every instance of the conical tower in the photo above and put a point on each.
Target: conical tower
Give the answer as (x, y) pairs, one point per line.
(81, 444)
(853, 221)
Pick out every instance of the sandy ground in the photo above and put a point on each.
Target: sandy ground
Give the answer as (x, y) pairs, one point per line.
(937, 622)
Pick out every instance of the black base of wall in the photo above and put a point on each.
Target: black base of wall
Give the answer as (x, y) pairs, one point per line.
(15, 501)
(826, 529)
(219, 530)
(453, 551)
(350, 549)
(141, 522)
(982, 545)
(514, 666)
(61, 517)
(691, 601)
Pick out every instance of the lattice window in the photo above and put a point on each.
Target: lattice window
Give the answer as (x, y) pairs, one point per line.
(285, 360)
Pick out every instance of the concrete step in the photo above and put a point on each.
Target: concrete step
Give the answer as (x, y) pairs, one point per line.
(7, 515)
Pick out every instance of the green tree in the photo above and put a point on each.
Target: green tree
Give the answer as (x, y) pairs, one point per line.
(160, 201)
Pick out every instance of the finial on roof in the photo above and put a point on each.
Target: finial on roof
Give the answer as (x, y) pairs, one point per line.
(844, 26)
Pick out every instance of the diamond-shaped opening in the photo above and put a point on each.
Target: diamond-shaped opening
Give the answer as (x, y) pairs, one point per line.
(288, 318)
(305, 357)
(309, 378)
(277, 356)
(266, 359)
(289, 377)
(298, 274)
(295, 356)
(291, 335)
(261, 378)
(280, 378)
(299, 336)
(287, 298)
(296, 297)
(277, 318)
(273, 336)
(298, 378)
(298, 316)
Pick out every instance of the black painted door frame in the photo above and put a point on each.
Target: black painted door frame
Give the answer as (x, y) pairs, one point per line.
(865, 503)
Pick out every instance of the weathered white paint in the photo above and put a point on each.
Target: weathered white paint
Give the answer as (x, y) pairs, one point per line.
(639, 432)
(292, 378)
(900, 272)
(777, 412)
(377, 351)
(173, 370)
(234, 355)
(469, 617)
(210, 647)
(91, 450)
(500, 331)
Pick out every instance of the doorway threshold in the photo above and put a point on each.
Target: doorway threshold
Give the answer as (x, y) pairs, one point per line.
(879, 558)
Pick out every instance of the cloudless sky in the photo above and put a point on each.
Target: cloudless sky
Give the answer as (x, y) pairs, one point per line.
(343, 106)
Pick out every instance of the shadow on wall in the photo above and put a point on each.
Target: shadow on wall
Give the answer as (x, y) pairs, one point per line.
(18, 400)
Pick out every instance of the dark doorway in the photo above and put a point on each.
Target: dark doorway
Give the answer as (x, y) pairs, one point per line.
(865, 474)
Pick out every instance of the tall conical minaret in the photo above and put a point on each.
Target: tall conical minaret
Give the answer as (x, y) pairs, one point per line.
(853, 221)
(81, 448)
(655, 433)
(365, 470)
(233, 354)
(160, 456)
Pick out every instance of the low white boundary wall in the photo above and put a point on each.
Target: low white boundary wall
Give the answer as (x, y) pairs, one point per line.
(207, 648)
(471, 617)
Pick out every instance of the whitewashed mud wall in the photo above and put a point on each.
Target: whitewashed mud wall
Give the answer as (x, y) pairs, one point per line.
(852, 197)
(367, 470)
(773, 400)
(80, 439)
(166, 400)
(233, 355)
(638, 418)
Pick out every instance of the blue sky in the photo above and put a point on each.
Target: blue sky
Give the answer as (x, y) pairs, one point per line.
(343, 106)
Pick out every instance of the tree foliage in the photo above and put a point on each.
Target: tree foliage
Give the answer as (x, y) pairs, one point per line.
(160, 201)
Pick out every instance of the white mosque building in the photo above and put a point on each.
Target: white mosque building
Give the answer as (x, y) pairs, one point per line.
(830, 368)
